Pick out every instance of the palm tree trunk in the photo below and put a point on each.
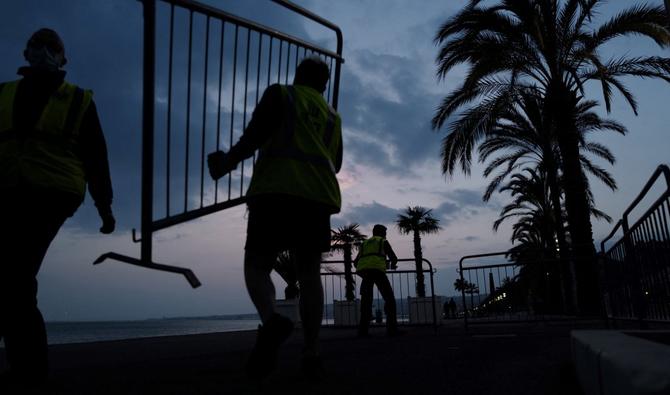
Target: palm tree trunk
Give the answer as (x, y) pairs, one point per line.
(567, 279)
(579, 221)
(348, 276)
(418, 261)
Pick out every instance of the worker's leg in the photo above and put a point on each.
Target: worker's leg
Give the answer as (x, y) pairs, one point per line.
(257, 268)
(259, 259)
(311, 297)
(366, 302)
(385, 289)
(26, 235)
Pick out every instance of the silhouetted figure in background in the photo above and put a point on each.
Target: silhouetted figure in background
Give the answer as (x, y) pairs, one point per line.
(51, 146)
(293, 193)
(371, 267)
(453, 309)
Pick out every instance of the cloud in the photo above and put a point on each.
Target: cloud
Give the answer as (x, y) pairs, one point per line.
(366, 214)
(387, 113)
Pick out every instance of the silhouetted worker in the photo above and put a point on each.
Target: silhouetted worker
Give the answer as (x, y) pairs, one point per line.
(292, 194)
(453, 310)
(371, 267)
(51, 146)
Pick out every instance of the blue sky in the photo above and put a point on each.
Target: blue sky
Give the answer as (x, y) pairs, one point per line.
(388, 95)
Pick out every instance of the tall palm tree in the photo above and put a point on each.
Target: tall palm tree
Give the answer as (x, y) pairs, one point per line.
(548, 45)
(520, 138)
(418, 220)
(345, 239)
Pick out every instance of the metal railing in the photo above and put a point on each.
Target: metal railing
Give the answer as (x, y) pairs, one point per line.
(200, 83)
(635, 270)
(410, 310)
(525, 291)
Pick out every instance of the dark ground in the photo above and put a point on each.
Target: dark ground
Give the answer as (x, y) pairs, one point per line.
(512, 359)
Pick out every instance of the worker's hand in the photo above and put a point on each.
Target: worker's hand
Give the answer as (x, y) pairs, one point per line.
(108, 221)
(219, 164)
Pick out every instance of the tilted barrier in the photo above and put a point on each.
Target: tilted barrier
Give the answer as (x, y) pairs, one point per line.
(201, 81)
(635, 270)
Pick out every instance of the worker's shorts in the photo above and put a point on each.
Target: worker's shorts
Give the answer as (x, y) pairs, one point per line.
(280, 223)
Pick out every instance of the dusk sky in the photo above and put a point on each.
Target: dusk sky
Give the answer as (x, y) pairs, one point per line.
(389, 93)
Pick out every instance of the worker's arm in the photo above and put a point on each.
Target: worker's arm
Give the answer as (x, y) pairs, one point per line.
(390, 255)
(267, 115)
(358, 256)
(96, 167)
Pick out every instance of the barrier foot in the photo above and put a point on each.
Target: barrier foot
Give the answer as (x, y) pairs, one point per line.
(188, 273)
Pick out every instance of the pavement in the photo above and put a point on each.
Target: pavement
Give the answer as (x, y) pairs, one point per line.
(501, 359)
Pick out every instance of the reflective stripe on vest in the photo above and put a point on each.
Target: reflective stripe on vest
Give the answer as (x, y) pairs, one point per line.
(46, 155)
(299, 158)
(372, 254)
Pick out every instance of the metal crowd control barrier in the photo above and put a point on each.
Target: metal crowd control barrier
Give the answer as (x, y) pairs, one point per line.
(635, 270)
(410, 310)
(510, 292)
(212, 67)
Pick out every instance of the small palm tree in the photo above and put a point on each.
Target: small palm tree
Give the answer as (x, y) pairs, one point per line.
(467, 287)
(418, 220)
(285, 266)
(345, 239)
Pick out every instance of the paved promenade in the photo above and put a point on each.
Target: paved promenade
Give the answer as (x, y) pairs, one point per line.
(518, 359)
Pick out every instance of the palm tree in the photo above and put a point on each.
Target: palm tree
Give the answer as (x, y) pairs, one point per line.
(466, 287)
(520, 137)
(418, 220)
(345, 238)
(284, 265)
(547, 45)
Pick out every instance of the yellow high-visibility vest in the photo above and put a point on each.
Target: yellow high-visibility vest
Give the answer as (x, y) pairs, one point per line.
(299, 159)
(46, 156)
(372, 254)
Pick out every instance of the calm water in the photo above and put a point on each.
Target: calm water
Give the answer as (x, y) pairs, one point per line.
(82, 332)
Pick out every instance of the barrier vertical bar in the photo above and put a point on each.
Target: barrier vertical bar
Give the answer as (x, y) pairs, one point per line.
(169, 114)
(232, 107)
(244, 109)
(148, 85)
(188, 108)
(204, 117)
(218, 116)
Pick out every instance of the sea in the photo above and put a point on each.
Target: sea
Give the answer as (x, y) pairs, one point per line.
(94, 331)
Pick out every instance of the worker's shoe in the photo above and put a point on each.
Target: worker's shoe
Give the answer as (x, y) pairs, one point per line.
(263, 358)
(312, 367)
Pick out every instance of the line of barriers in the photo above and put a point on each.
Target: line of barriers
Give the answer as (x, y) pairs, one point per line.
(204, 70)
(635, 270)
(634, 274)
(510, 292)
(410, 309)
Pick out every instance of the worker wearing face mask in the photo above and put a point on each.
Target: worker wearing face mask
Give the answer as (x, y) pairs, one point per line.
(51, 148)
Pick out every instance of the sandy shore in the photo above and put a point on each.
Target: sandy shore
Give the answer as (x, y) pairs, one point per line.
(522, 359)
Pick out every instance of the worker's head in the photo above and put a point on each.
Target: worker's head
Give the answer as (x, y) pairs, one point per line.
(379, 230)
(45, 50)
(313, 72)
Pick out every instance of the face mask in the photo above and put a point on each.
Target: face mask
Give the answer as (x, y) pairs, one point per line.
(42, 58)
